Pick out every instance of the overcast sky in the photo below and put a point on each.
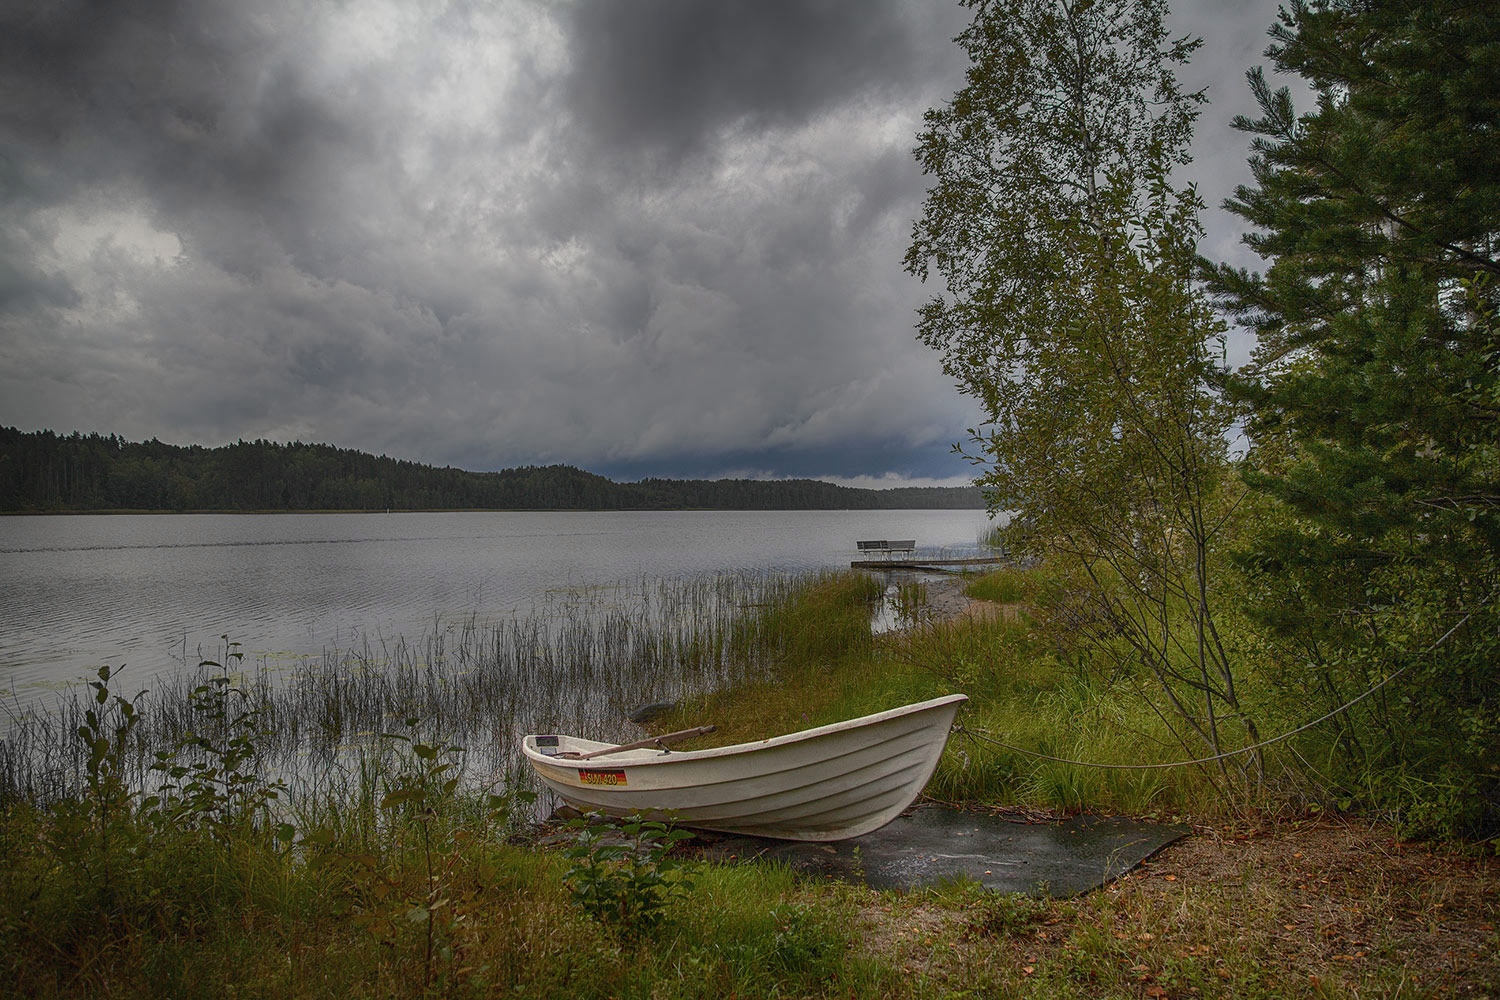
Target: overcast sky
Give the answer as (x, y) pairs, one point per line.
(655, 237)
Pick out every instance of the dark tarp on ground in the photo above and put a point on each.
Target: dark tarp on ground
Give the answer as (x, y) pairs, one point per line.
(934, 844)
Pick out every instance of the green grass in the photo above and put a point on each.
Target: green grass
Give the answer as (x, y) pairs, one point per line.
(1027, 687)
(1005, 586)
(188, 916)
(429, 892)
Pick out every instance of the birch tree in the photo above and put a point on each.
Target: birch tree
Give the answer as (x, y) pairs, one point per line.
(1065, 254)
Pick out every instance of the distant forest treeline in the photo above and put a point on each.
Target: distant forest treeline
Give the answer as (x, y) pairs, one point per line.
(43, 471)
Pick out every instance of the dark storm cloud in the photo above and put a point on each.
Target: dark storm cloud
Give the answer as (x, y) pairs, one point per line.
(668, 76)
(165, 91)
(647, 237)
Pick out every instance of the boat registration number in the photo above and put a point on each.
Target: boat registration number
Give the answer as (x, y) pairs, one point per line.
(601, 777)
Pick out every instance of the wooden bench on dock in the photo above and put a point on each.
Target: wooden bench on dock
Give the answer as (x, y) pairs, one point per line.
(883, 546)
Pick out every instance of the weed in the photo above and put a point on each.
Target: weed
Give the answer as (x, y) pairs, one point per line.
(625, 885)
(86, 836)
(420, 792)
(1005, 914)
(219, 788)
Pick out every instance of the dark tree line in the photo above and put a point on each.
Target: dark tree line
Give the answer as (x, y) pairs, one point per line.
(44, 471)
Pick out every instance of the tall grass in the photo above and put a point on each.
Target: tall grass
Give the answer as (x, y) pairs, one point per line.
(380, 872)
(578, 668)
(1006, 586)
(810, 641)
(1032, 682)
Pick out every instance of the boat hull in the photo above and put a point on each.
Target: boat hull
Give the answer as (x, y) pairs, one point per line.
(830, 783)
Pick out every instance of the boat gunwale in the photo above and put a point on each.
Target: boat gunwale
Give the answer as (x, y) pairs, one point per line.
(613, 762)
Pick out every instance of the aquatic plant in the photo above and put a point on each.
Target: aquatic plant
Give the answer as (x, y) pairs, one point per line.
(579, 663)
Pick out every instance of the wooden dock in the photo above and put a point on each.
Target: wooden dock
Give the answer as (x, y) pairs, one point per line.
(932, 564)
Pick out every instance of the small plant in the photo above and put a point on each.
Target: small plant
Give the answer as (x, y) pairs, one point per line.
(95, 825)
(421, 792)
(219, 788)
(801, 943)
(105, 732)
(626, 885)
(1005, 914)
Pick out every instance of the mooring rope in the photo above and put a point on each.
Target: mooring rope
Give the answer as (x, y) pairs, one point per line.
(981, 734)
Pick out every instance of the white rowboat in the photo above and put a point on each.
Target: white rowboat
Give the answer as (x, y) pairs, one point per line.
(829, 783)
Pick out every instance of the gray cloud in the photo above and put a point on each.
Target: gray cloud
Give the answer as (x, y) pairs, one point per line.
(645, 238)
(671, 76)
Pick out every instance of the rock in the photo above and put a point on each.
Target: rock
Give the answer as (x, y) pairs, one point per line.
(648, 712)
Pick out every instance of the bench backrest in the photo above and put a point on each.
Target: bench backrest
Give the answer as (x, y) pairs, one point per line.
(882, 545)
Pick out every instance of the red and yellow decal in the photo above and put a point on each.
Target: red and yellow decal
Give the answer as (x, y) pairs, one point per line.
(590, 777)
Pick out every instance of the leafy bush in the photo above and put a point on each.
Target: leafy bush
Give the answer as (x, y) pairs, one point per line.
(210, 779)
(626, 885)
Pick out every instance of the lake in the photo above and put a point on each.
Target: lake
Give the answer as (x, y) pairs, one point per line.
(152, 590)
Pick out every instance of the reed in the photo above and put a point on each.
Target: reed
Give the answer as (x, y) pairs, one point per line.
(577, 665)
(385, 865)
(1005, 586)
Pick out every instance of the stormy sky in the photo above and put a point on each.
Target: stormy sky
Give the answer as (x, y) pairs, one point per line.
(654, 237)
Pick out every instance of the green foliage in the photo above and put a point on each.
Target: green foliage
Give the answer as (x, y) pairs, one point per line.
(1005, 586)
(1070, 313)
(427, 782)
(422, 791)
(90, 839)
(210, 780)
(1068, 109)
(105, 734)
(625, 885)
(1373, 395)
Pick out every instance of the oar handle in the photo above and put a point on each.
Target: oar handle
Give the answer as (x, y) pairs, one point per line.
(650, 741)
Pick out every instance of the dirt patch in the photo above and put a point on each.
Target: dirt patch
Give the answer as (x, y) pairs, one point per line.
(888, 928)
(1349, 895)
(1313, 908)
(947, 602)
(946, 599)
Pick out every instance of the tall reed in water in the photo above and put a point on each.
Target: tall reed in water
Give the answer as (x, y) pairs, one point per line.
(578, 664)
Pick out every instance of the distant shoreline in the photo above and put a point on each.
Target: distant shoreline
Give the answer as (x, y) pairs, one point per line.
(44, 472)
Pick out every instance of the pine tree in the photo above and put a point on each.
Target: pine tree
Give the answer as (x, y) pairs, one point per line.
(1374, 396)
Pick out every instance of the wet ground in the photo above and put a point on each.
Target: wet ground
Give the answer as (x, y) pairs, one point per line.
(934, 844)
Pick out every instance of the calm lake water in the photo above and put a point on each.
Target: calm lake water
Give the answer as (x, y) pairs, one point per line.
(150, 591)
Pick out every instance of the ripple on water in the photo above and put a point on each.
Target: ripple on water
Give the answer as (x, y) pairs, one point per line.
(80, 590)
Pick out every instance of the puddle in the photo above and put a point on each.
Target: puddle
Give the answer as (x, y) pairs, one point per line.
(934, 844)
(895, 610)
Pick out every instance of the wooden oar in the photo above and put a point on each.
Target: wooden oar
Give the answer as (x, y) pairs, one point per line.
(650, 741)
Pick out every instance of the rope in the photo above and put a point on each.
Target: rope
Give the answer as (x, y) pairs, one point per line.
(981, 734)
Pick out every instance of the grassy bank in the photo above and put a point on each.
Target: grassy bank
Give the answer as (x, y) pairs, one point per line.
(1276, 894)
(1023, 687)
(409, 879)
